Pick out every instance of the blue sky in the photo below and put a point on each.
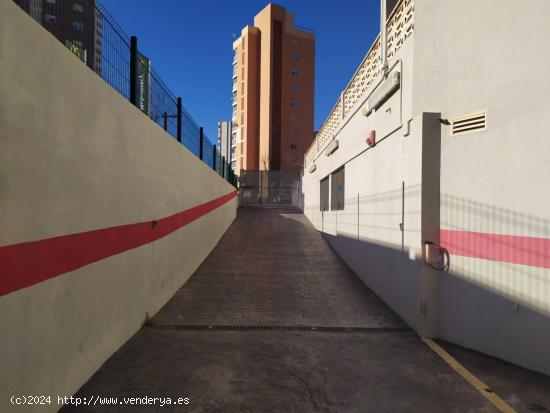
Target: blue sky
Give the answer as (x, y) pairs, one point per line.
(190, 45)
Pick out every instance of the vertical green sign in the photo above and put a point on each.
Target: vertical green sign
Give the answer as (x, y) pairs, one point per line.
(77, 50)
(142, 93)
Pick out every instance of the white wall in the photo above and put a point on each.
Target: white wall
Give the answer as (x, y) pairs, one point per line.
(75, 156)
(368, 236)
(463, 57)
(491, 55)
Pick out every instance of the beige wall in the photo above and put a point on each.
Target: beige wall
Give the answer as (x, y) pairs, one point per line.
(75, 156)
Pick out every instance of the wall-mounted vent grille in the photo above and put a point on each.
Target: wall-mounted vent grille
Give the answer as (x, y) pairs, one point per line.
(474, 122)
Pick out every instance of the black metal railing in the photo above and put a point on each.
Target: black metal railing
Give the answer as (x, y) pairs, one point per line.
(89, 31)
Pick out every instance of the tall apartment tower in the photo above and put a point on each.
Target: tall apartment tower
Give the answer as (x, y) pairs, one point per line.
(273, 87)
(76, 22)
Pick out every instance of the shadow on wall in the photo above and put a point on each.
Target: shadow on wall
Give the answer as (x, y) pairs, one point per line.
(469, 314)
(501, 250)
(489, 301)
(389, 272)
(475, 311)
(475, 317)
(463, 212)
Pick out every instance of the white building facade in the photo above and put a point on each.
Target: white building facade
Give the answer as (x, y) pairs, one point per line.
(447, 147)
(227, 142)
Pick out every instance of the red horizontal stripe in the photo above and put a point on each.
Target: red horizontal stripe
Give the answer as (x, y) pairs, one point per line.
(28, 263)
(497, 247)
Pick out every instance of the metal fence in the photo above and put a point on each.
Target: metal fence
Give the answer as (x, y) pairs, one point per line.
(270, 187)
(87, 29)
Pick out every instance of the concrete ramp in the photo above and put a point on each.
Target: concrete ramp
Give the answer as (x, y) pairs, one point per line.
(274, 321)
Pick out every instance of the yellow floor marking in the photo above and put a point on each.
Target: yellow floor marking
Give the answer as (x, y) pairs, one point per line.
(481, 387)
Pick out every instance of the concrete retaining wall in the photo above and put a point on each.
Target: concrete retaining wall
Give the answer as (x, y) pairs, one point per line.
(76, 157)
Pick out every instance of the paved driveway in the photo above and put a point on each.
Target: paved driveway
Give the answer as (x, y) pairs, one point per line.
(274, 321)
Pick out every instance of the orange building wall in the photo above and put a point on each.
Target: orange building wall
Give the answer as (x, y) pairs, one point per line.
(297, 130)
(274, 134)
(246, 122)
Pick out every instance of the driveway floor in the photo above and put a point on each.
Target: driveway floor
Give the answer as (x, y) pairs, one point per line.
(274, 321)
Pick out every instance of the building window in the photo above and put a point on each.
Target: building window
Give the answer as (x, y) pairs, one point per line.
(50, 19)
(294, 103)
(295, 42)
(294, 132)
(324, 195)
(50, 1)
(337, 189)
(293, 146)
(296, 57)
(78, 43)
(295, 87)
(78, 7)
(78, 26)
(295, 72)
(293, 117)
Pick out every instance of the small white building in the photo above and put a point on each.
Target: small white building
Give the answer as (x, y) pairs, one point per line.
(227, 142)
(448, 146)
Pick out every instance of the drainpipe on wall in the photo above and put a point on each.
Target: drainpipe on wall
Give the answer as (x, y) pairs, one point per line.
(383, 41)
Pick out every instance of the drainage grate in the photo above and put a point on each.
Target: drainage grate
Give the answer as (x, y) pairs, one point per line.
(345, 330)
(474, 122)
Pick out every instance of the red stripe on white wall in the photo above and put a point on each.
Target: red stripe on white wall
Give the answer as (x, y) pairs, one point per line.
(514, 249)
(28, 263)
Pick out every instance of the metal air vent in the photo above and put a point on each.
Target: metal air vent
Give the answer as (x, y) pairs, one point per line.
(474, 122)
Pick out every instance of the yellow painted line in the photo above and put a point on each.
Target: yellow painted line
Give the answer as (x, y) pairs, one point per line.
(481, 387)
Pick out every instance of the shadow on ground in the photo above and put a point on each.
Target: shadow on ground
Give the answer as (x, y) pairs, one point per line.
(265, 325)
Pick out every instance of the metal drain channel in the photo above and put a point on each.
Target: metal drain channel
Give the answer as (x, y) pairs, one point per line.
(344, 330)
